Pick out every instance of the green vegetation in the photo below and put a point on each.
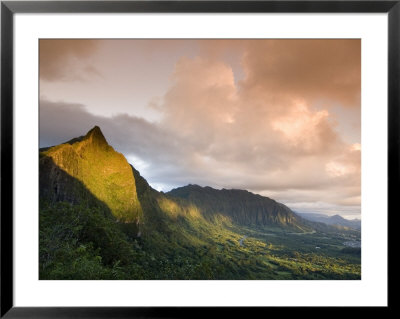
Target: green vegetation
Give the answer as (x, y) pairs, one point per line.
(104, 172)
(78, 242)
(88, 231)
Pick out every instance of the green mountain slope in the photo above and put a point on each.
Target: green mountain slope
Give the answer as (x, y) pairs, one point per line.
(104, 172)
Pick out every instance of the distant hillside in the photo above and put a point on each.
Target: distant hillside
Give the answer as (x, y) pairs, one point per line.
(332, 220)
(241, 206)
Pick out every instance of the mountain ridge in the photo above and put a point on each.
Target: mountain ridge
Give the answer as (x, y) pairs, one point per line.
(243, 206)
(332, 220)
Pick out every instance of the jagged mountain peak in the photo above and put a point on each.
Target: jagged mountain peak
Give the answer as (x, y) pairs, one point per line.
(95, 135)
(95, 131)
(102, 171)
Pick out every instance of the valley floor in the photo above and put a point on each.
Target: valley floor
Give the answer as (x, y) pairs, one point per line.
(79, 244)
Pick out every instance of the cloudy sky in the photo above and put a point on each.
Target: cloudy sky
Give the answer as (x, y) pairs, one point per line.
(281, 118)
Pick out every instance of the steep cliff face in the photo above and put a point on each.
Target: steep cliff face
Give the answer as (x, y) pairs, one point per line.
(241, 206)
(89, 164)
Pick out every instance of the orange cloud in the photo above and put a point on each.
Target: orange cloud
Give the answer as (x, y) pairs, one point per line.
(328, 70)
(305, 130)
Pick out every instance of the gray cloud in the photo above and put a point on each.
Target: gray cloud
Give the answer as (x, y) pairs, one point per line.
(64, 59)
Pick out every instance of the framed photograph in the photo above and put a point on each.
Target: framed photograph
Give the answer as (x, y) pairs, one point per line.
(158, 156)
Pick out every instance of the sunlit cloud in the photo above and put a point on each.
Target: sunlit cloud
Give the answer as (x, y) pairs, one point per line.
(275, 131)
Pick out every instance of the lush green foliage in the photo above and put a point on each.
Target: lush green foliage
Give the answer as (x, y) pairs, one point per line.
(78, 242)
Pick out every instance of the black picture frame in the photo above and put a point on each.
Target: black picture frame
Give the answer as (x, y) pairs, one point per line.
(9, 8)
